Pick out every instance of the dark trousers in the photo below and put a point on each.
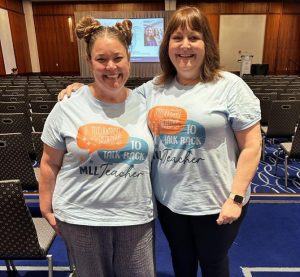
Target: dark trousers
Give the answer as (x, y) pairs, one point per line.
(194, 239)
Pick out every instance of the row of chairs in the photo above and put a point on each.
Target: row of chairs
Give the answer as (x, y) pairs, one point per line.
(280, 120)
(30, 128)
(27, 108)
(15, 162)
(266, 100)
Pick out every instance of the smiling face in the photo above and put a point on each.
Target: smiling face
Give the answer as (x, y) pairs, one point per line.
(110, 65)
(186, 52)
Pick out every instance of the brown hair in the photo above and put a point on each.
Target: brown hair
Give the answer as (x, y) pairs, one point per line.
(193, 18)
(89, 29)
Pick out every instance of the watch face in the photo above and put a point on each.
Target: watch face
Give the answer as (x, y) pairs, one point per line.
(238, 199)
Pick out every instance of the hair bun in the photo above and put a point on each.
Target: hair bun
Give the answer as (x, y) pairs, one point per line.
(125, 27)
(86, 27)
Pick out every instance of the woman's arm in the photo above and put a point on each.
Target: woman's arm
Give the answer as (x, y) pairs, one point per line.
(50, 165)
(68, 90)
(249, 141)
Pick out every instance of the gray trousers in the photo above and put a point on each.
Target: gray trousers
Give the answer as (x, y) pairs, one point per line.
(125, 251)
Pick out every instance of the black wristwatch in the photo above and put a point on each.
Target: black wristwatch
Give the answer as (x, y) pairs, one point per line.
(236, 198)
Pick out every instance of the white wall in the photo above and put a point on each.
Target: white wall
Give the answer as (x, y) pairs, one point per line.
(33, 50)
(6, 42)
(241, 34)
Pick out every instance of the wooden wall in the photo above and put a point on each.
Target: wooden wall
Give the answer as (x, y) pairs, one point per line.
(57, 54)
(19, 35)
(282, 33)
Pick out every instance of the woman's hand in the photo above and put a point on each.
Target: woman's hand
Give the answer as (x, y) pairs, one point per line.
(68, 90)
(52, 221)
(230, 212)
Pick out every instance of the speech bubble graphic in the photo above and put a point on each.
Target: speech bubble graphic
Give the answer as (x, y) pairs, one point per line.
(135, 152)
(166, 120)
(95, 136)
(192, 136)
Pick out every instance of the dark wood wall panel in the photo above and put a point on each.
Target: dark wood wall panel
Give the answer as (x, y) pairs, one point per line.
(280, 34)
(2, 4)
(214, 22)
(290, 6)
(255, 7)
(231, 7)
(67, 50)
(20, 41)
(275, 6)
(57, 54)
(69, 8)
(14, 5)
(46, 42)
(207, 8)
(271, 41)
(288, 58)
(2, 67)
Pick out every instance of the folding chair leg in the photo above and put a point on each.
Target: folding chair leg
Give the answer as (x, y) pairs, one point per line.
(50, 265)
(10, 265)
(13, 265)
(286, 170)
(7, 263)
(263, 148)
(276, 162)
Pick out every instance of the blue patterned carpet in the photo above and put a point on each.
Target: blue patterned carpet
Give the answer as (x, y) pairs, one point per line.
(267, 245)
(265, 180)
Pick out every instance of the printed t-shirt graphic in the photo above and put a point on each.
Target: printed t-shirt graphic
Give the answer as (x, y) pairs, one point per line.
(171, 125)
(112, 143)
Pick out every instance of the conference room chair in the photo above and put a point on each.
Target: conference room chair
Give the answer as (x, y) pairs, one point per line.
(292, 90)
(42, 106)
(288, 96)
(15, 162)
(13, 98)
(291, 150)
(54, 91)
(283, 118)
(22, 237)
(40, 97)
(18, 123)
(277, 90)
(38, 121)
(37, 90)
(13, 92)
(14, 107)
(38, 146)
(265, 105)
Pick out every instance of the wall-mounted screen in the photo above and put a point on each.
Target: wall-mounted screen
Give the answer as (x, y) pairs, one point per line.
(147, 36)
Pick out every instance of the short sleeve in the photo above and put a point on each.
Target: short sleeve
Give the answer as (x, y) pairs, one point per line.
(52, 132)
(243, 106)
(145, 89)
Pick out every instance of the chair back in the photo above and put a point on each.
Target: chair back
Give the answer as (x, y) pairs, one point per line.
(283, 118)
(38, 121)
(38, 145)
(42, 106)
(18, 236)
(15, 162)
(17, 123)
(14, 107)
(265, 99)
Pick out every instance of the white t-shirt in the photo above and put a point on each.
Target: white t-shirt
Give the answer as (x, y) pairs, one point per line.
(196, 151)
(104, 179)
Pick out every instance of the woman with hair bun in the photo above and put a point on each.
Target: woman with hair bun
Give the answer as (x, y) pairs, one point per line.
(205, 123)
(95, 185)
